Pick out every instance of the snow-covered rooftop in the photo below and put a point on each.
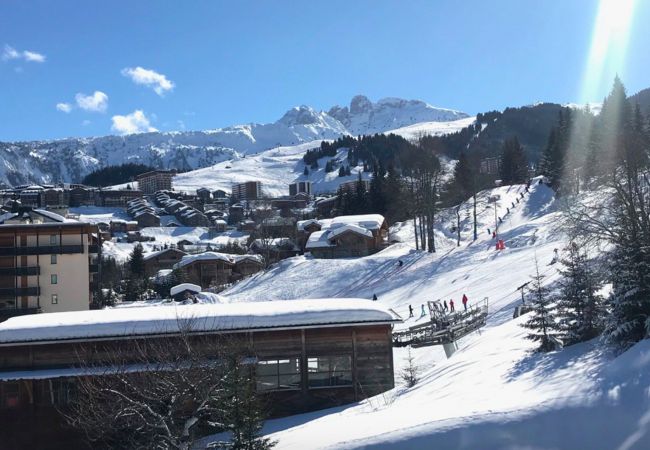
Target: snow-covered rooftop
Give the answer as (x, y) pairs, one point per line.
(184, 287)
(126, 322)
(205, 256)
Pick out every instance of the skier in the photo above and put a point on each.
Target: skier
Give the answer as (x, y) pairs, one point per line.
(410, 311)
(494, 235)
(446, 307)
(400, 263)
(374, 297)
(451, 305)
(489, 231)
(422, 313)
(465, 301)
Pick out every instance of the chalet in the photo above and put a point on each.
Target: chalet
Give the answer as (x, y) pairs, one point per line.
(184, 291)
(220, 225)
(122, 226)
(305, 355)
(325, 206)
(81, 196)
(246, 265)
(304, 228)
(348, 236)
(162, 259)
(208, 269)
(55, 198)
(204, 195)
(147, 219)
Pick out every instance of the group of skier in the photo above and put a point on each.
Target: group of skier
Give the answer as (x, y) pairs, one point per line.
(448, 307)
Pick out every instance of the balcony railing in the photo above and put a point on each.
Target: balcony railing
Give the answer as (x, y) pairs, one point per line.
(20, 271)
(20, 292)
(42, 250)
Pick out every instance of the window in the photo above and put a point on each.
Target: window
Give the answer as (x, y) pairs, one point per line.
(54, 279)
(55, 299)
(53, 239)
(326, 371)
(53, 258)
(9, 394)
(275, 374)
(62, 391)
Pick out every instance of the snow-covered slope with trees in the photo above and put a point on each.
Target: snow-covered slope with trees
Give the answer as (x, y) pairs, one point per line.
(280, 166)
(68, 160)
(494, 392)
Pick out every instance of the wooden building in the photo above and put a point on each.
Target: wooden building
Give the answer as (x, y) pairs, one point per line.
(207, 269)
(162, 259)
(347, 236)
(305, 355)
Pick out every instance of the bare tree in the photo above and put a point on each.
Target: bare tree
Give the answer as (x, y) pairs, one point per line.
(165, 393)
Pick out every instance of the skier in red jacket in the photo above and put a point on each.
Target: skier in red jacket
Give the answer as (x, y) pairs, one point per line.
(451, 305)
(465, 301)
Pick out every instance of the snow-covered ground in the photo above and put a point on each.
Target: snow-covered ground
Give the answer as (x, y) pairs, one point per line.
(493, 393)
(97, 214)
(283, 165)
(120, 251)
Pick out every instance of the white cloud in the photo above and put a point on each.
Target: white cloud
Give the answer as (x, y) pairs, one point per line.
(136, 122)
(86, 122)
(10, 53)
(98, 102)
(150, 78)
(64, 107)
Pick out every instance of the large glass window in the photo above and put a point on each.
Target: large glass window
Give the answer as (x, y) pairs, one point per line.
(325, 371)
(275, 374)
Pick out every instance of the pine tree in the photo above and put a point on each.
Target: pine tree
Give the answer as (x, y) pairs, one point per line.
(305, 172)
(465, 181)
(243, 413)
(553, 158)
(580, 308)
(541, 323)
(341, 171)
(136, 262)
(514, 166)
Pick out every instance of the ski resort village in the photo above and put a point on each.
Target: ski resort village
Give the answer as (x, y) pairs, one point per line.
(379, 274)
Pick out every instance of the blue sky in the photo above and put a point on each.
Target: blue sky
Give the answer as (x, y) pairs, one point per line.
(134, 65)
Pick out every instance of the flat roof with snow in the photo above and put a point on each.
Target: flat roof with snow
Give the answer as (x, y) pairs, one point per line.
(203, 318)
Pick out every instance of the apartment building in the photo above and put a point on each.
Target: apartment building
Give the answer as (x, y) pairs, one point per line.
(248, 190)
(46, 267)
(157, 180)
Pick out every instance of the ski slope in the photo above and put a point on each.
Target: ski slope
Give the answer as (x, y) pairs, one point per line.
(493, 393)
(278, 167)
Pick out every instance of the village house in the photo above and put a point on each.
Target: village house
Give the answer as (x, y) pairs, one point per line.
(348, 236)
(161, 260)
(275, 249)
(306, 355)
(147, 219)
(246, 265)
(208, 269)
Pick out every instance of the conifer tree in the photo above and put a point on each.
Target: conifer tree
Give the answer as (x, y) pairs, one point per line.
(541, 323)
(514, 166)
(305, 172)
(580, 307)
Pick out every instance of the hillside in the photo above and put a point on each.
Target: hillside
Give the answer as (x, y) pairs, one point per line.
(643, 99)
(493, 393)
(278, 167)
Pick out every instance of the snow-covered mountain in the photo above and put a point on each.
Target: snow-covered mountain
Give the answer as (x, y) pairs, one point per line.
(68, 160)
(366, 117)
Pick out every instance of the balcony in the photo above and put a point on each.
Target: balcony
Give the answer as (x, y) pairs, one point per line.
(42, 250)
(20, 292)
(20, 271)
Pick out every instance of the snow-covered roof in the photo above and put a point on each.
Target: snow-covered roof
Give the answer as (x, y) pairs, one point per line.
(148, 256)
(369, 221)
(205, 256)
(302, 224)
(349, 228)
(184, 287)
(255, 258)
(319, 239)
(128, 322)
(51, 215)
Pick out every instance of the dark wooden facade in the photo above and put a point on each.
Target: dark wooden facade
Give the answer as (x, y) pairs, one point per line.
(297, 370)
